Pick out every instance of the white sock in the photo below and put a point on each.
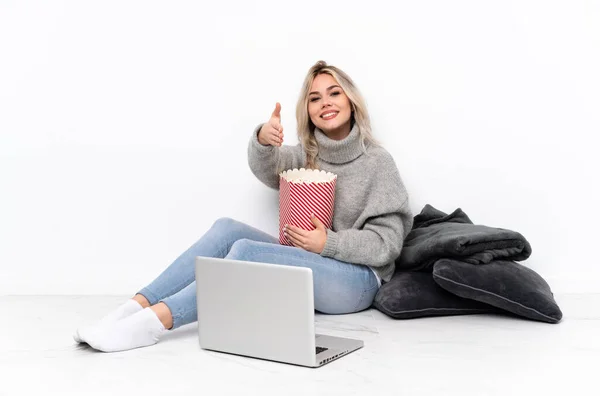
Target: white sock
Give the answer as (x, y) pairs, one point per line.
(138, 330)
(124, 310)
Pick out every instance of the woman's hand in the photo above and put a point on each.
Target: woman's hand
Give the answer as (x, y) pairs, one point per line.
(312, 241)
(271, 132)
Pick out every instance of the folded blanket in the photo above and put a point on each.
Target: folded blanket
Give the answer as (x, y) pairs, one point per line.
(437, 235)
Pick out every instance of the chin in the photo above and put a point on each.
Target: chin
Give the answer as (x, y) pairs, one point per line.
(331, 126)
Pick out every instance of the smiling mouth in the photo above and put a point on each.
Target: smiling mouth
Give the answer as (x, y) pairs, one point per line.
(329, 116)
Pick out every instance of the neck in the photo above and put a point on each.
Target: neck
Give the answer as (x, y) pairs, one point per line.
(339, 151)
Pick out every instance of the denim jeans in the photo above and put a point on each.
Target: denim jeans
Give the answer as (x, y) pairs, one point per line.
(339, 287)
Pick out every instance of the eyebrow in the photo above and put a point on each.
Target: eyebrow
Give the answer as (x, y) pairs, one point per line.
(333, 86)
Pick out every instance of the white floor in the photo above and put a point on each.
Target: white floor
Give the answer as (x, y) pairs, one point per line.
(459, 355)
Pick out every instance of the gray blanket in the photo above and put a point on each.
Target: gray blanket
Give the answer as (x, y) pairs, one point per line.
(437, 235)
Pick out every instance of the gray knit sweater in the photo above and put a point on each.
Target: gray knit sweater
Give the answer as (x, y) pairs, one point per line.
(371, 215)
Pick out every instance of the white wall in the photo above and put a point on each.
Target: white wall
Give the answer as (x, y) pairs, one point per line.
(124, 124)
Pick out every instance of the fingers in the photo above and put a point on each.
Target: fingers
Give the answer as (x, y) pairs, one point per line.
(277, 112)
(275, 135)
(277, 126)
(297, 233)
(293, 237)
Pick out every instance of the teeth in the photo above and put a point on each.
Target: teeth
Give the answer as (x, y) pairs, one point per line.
(328, 114)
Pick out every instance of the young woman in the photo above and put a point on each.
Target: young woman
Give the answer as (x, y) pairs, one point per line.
(349, 261)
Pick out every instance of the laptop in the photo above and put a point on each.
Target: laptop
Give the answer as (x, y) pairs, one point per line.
(263, 311)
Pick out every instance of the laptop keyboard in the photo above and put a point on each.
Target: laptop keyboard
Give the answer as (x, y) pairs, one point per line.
(321, 349)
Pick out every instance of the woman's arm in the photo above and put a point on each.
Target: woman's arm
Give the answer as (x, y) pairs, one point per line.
(383, 224)
(266, 162)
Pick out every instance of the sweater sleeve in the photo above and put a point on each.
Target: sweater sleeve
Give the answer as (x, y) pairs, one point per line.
(266, 162)
(386, 220)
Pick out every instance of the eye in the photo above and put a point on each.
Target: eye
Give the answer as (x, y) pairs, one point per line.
(314, 99)
(335, 93)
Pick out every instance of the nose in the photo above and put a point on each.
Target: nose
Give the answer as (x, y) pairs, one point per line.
(326, 103)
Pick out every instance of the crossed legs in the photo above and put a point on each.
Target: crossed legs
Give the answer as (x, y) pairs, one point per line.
(169, 301)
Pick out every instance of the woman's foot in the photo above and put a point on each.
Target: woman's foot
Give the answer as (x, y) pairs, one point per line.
(141, 329)
(128, 308)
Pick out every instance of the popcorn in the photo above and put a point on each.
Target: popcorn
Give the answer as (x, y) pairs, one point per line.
(303, 192)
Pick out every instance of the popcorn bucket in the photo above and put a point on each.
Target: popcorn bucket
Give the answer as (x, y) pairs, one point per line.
(303, 192)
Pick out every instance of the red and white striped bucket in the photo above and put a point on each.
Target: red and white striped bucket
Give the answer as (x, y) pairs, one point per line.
(303, 192)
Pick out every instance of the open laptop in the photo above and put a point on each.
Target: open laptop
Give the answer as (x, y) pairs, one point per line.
(263, 311)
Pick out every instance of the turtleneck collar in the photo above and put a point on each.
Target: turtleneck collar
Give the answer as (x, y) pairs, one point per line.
(339, 151)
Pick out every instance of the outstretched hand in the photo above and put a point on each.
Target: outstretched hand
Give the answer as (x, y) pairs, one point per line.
(312, 241)
(271, 133)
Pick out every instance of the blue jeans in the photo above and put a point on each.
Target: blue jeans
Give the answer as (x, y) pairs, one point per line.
(339, 287)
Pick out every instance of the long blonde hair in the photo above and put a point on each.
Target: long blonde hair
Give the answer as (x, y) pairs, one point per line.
(306, 128)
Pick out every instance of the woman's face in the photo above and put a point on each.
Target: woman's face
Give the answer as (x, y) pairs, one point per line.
(329, 108)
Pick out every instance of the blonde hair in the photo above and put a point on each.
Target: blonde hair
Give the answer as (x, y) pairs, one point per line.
(306, 128)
